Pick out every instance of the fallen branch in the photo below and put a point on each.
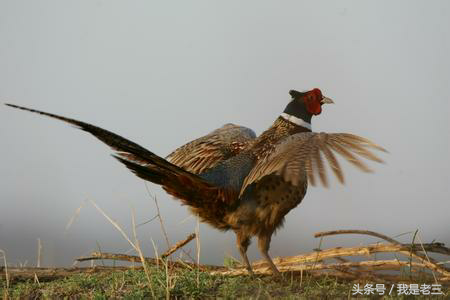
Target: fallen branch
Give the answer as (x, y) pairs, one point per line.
(432, 247)
(115, 256)
(357, 231)
(45, 274)
(149, 260)
(374, 265)
(133, 258)
(178, 245)
(432, 264)
(318, 256)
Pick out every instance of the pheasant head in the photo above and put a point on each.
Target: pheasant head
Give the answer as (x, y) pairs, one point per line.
(303, 106)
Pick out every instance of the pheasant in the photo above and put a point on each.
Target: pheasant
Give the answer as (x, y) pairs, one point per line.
(233, 180)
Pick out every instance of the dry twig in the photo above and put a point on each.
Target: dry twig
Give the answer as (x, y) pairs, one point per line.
(149, 260)
(356, 231)
(178, 245)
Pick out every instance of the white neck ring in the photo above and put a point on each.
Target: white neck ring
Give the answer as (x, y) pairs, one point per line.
(296, 120)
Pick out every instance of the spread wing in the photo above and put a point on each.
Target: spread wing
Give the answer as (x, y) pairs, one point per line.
(208, 151)
(302, 155)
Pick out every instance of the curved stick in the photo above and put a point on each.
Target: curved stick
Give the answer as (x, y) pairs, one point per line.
(356, 231)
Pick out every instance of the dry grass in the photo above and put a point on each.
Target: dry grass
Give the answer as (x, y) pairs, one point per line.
(311, 274)
(5, 294)
(135, 245)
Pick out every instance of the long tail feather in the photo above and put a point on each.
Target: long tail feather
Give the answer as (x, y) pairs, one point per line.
(190, 188)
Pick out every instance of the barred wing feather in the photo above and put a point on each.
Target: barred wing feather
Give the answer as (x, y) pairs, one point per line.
(302, 154)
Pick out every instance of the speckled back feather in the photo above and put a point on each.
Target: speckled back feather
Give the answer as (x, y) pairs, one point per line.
(208, 151)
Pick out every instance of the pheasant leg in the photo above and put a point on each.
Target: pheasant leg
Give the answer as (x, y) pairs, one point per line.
(243, 241)
(264, 245)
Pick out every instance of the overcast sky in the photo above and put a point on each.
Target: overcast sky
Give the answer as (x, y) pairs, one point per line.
(163, 73)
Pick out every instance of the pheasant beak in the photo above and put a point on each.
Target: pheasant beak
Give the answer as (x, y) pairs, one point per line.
(326, 100)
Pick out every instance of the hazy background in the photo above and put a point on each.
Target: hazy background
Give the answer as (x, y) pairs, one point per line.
(163, 73)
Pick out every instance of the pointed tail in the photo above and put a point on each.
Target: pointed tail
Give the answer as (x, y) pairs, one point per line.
(189, 188)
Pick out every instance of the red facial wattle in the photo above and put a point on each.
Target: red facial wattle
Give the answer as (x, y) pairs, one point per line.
(312, 102)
